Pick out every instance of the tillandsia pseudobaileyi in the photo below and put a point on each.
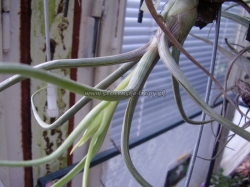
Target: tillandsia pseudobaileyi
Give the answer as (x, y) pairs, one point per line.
(175, 22)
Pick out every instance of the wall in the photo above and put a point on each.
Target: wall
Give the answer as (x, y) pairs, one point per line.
(71, 37)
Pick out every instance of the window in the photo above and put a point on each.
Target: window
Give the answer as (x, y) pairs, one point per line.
(154, 157)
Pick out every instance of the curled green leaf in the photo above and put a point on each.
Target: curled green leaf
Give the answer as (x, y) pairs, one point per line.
(82, 62)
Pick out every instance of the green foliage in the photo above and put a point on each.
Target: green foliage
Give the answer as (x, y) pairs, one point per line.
(219, 180)
(179, 17)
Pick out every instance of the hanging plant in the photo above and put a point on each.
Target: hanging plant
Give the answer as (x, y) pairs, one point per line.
(175, 23)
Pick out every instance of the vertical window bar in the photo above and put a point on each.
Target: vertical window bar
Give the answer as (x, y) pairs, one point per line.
(208, 90)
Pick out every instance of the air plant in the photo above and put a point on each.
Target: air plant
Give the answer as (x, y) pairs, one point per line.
(175, 22)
